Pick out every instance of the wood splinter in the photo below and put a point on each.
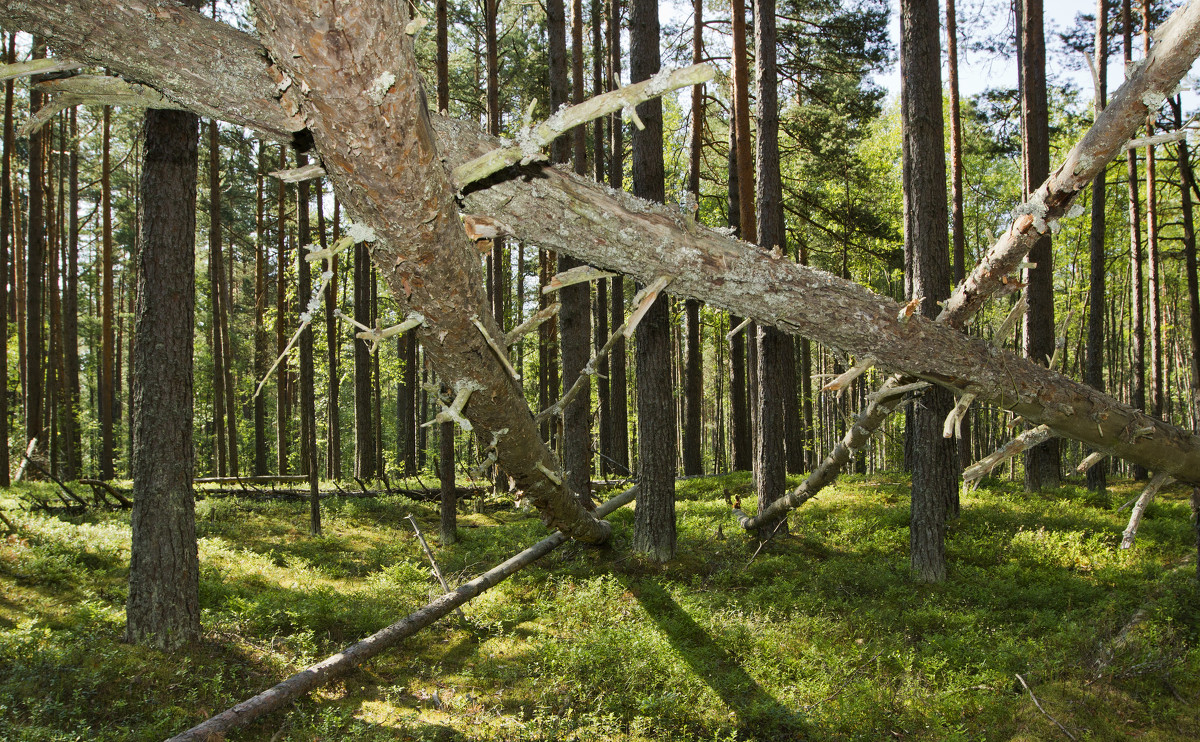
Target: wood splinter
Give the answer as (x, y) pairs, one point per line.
(643, 301)
(741, 326)
(453, 413)
(501, 354)
(843, 381)
(531, 324)
(578, 274)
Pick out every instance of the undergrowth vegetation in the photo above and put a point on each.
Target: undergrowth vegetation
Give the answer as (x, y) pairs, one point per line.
(819, 635)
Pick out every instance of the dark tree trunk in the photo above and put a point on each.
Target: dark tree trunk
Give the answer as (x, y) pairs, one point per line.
(214, 297)
(575, 315)
(693, 397)
(163, 607)
(1042, 467)
(1093, 371)
(1152, 256)
(364, 423)
(261, 362)
(283, 411)
(308, 392)
(619, 428)
(556, 30)
(443, 58)
(5, 233)
(935, 459)
(333, 433)
(654, 517)
(774, 347)
(959, 245)
(35, 259)
(1137, 339)
(108, 384)
(739, 409)
(448, 526)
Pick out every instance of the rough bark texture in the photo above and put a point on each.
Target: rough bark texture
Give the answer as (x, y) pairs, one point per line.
(448, 523)
(164, 579)
(1093, 368)
(380, 154)
(774, 347)
(935, 458)
(654, 518)
(739, 409)
(1042, 465)
(556, 29)
(364, 423)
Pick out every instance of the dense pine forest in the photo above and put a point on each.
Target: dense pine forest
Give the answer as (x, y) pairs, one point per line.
(748, 370)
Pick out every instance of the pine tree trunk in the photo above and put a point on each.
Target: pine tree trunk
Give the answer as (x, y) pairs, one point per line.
(935, 459)
(774, 347)
(654, 516)
(448, 525)
(693, 397)
(364, 423)
(6, 212)
(261, 362)
(283, 411)
(333, 432)
(1042, 463)
(959, 242)
(163, 606)
(1093, 374)
(308, 392)
(1137, 338)
(1187, 186)
(1152, 260)
(618, 389)
(216, 344)
(739, 408)
(107, 336)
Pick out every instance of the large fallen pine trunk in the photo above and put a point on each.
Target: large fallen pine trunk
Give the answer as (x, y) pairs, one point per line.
(317, 675)
(555, 210)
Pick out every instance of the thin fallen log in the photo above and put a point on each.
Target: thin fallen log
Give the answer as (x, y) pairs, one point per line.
(316, 675)
(1092, 459)
(1024, 441)
(1139, 508)
(100, 487)
(258, 479)
(8, 523)
(1038, 703)
(25, 460)
(437, 572)
(62, 485)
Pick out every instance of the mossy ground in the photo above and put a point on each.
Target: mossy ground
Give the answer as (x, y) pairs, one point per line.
(822, 635)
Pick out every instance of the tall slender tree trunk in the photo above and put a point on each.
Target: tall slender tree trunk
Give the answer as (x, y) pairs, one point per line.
(1152, 258)
(1093, 371)
(739, 409)
(600, 304)
(1042, 463)
(35, 258)
(333, 451)
(364, 423)
(308, 392)
(282, 396)
(935, 459)
(774, 347)
(693, 397)
(959, 242)
(214, 281)
(107, 333)
(163, 607)
(261, 362)
(618, 388)
(654, 516)
(575, 315)
(6, 214)
(1137, 340)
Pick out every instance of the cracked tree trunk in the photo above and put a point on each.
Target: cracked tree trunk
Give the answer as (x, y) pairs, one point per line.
(625, 234)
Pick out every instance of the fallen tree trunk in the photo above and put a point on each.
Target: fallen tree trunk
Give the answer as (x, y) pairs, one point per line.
(99, 487)
(557, 211)
(1139, 508)
(316, 675)
(1024, 441)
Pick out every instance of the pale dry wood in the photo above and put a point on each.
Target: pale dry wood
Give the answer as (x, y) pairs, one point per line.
(1091, 460)
(45, 66)
(437, 572)
(1023, 442)
(531, 324)
(1139, 509)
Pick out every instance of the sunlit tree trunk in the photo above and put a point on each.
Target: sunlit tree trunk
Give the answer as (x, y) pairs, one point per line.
(1137, 340)
(935, 459)
(1093, 371)
(163, 605)
(1152, 258)
(654, 516)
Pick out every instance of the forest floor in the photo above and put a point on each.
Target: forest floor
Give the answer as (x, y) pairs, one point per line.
(822, 635)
